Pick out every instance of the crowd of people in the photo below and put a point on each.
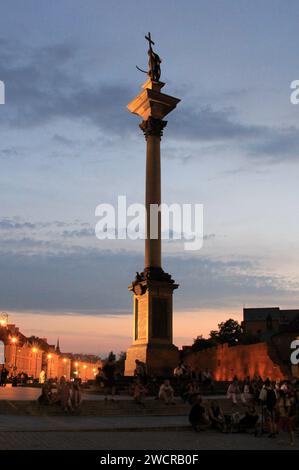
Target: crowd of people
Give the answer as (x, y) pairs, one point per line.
(256, 405)
(265, 407)
(260, 406)
(67, 395)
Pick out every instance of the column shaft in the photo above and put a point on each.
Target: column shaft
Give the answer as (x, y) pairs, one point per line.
(153, 196)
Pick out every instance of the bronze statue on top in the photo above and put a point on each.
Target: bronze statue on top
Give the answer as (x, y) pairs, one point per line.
(154, 61)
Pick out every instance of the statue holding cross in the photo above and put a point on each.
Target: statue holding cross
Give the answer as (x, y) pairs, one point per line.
(154, 61)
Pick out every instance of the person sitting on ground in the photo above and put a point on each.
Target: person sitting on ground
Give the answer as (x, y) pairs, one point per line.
(64, 394)
(179, 371)
(198, 416)
(216, 416)
(153, 387)
(139, 392)
(250, 419)
(46, 396)
(190, 392)
(140, 370)
(207, 379)
(166, 393)
(233, 391)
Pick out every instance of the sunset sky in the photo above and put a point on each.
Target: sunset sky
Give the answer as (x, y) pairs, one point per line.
(68, 143)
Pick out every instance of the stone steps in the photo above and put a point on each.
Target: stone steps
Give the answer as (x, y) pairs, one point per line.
(106, 408)
(95, 408)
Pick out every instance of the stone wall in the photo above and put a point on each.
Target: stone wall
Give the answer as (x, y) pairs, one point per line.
(225, 362)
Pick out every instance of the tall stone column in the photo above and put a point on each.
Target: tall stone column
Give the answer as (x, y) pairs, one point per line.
(153, 287)
(153, 130)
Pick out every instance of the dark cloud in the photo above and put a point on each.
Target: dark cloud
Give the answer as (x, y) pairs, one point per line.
(221, 127)
(86, 280)
(49, 83)
(207, 124)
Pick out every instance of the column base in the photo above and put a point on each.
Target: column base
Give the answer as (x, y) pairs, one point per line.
(161, 359)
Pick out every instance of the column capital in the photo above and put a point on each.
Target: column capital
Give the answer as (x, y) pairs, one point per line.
(153, 126)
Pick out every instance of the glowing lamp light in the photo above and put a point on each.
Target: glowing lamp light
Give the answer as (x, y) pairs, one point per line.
(76, 364)
(64, 360)
(3, 319)
(34, 350)
(85, 366)
(49, 356)
(14, 340)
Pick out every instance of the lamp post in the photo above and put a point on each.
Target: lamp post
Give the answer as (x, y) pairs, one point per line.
(49, 356)
(76, 372)
(35, 351)
(3, 319)
(64, 367)
(14, 340)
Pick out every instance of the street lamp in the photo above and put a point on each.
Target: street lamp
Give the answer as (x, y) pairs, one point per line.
(35, 351)
(64, 360)
(14, 340)
(3, 319)
(49, 356)
(85, 367)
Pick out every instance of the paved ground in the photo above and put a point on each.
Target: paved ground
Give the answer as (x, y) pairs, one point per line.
(89, 423)
(115, 432)
(31, 393)
(173, 440)
(111, 433)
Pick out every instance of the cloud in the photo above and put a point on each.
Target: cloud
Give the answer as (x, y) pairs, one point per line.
(90, 281)
(12, 224)
(217, 129)
(84, 232)
(51, 83)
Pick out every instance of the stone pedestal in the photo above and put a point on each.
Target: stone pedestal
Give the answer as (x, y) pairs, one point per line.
(153, 288)
(152, 324)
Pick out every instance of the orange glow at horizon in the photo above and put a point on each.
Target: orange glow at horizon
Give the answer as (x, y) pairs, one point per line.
(102, 334)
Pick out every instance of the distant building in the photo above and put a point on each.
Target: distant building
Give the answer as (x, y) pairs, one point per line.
(267, 321)
(274, 329)
(31, 355)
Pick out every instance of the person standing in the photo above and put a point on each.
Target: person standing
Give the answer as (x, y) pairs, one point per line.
(109, 371)
(4, 375)
(42, 377)
(286, 414)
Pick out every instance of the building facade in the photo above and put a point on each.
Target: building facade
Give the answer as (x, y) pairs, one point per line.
(32, 355)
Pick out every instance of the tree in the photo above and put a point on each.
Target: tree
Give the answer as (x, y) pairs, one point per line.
(229, 332)
(201, 343)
